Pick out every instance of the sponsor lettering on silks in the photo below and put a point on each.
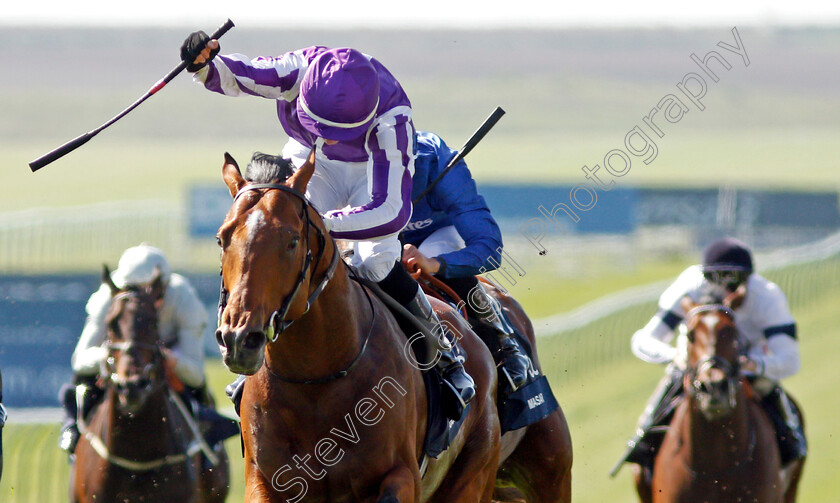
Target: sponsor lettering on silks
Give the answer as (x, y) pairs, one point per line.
(536, 401)
(414, 226)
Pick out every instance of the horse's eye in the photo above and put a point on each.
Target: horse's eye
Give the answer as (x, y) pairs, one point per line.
(218, 241)
(690, 335)
(294, 242)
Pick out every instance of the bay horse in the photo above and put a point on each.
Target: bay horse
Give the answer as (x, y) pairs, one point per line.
(332, 408)
(720, 445)
(140, 443)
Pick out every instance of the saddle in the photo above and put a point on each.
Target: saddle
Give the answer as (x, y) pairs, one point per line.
(527, 405)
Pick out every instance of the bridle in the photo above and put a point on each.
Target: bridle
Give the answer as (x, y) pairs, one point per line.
(107, 370)
(732, 371)
(109, 375)
(277, 322)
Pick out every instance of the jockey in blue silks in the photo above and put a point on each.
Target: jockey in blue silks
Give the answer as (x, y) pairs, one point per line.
(453, 236)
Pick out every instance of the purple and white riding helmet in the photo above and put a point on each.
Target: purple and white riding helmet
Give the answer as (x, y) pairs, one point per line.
(339, 95)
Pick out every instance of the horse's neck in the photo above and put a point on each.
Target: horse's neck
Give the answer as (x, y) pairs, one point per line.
(328, 337)
(146, 434)
(718, 444)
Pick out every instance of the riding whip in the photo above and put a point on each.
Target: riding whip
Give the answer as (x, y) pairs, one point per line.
(81, 140)
(476, 137)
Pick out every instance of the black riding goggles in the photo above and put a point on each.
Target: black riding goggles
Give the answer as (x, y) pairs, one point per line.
(729, 278)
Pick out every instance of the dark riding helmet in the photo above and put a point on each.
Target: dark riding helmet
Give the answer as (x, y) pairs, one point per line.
(727, 262)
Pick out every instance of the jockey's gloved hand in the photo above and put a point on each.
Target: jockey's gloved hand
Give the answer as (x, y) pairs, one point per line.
(192, 48)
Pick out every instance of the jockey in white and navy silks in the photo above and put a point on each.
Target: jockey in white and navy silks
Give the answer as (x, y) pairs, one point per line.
(354, 113)
(453, 235)
(766, 330)
(763, 321)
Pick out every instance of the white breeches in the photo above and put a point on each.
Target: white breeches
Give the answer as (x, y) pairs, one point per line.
(339, 184)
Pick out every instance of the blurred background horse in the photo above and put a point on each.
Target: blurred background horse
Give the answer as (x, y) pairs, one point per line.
(140, 443)
(720, 445)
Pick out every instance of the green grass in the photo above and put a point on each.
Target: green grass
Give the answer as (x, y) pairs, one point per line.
(764, 126)
(107, 170)
(592, 279)
(601, 403)
(602, 407)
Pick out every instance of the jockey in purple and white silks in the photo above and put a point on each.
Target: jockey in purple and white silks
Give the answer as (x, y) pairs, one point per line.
(357, 117)
(363, 167)
(766, 331)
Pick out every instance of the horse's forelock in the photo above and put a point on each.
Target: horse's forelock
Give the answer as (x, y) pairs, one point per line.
(266, 168)
(145, 307)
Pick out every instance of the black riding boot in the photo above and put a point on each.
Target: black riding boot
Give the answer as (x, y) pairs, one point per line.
(214, 426)
(790, 435)
(516, 366)
(234, 391)
(651, 427)
(86, 391)
(441, 349)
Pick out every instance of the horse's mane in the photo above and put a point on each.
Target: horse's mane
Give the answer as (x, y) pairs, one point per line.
(266, 168)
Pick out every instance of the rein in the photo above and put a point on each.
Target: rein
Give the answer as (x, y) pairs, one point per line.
(197, 445)
(434, 286)
(711, 307)
(277, 322)
(340, 373)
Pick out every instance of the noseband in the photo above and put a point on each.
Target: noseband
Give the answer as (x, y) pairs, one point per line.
(277, 322)
(107, 369)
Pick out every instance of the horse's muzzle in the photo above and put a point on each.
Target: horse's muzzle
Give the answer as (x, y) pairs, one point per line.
(716, 398)
(242, 350)
(133, 392)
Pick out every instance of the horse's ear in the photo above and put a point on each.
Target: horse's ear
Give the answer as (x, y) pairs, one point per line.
(232, 176)
(687, 304)
(156, 289)
(106, 279)
(735, 299)
(300, 179)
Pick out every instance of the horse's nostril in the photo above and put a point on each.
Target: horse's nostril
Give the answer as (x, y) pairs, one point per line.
(253, 340)
(219, 339)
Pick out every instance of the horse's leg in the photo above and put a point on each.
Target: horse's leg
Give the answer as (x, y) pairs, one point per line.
(642, 482)
(541, 465)
(214, 480)
(73, 492)
(793, 473)
(508, 495)
(472, 477)
(401, 485)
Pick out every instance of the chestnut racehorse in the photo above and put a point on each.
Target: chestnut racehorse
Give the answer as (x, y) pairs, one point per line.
(333, 408)
(720, 445)
(139, 444)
